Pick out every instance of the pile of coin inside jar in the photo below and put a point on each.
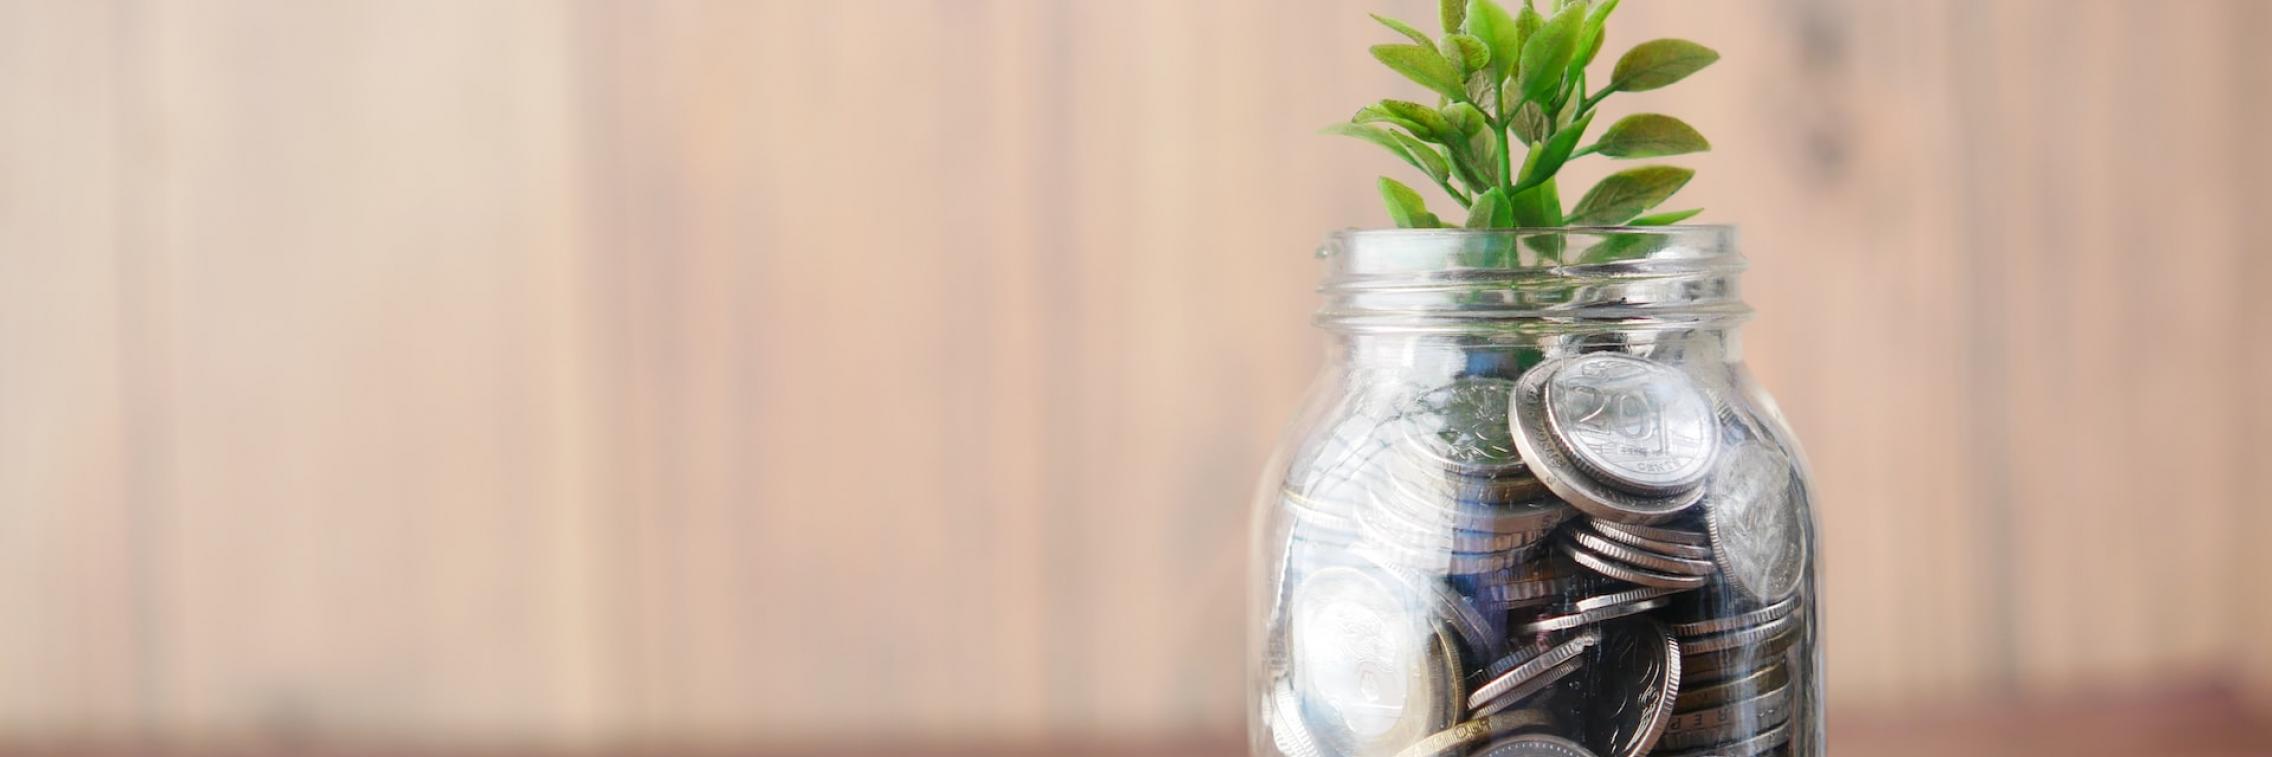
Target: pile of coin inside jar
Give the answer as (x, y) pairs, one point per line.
(1599, 559)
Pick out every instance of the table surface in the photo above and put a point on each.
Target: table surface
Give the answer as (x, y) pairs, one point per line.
(2203, 724)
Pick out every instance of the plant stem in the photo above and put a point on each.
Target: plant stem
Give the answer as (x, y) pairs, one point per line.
(1499, 128)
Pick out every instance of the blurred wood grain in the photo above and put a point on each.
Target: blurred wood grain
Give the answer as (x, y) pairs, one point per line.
(783, 370)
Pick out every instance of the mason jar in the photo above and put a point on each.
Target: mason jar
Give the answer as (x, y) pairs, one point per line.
(1535, 505)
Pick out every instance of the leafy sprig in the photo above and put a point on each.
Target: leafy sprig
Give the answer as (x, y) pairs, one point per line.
(1508, 81)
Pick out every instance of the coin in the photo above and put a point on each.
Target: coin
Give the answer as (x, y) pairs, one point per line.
(1531, 688)
(1655, 533)
(1626, 596)
(1729, 722)
(1737, 660)
(1372, 675)
(1736, 622)
(1462, 426)
(1756, 745)
(1640, 426)
(1532, 745)
(1534, 584)
(1672, 549)
(1589, 617)
(1746, 687)
(1565, 476)
(1456, 739)
(1757, 536)
(1287, 731)
(1526, 665)
(1483, 638)
(1628, 689)
(1623, 572)
(1739, 639)
(1440, 509)
(1641, 558)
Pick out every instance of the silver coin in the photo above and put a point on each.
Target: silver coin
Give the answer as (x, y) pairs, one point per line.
(1524, 666)
(1529, 689)
(1757, 534)
(1442, 510)
(1729, 722)
(1540, 585)
(1756, 745)
(1736, 622)
(1735, 657)
(1656, 533)
(1580, 618)
(1623, 597)
(1457, 739)
(1287, 730)
(1693, 698)
(1739, 639)
(1670, 549)
(1370, 673)
(1462, 426)
(1630, 574)
(1629, 689)
(1565, 477)
(1532, 745)
(1641, 558)
(1636, 425)
(1482, 637)
(1416, 479)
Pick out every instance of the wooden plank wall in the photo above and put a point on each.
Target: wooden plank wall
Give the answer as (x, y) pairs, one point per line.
(784, 370)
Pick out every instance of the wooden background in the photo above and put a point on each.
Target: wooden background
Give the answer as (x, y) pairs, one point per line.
(783, 371)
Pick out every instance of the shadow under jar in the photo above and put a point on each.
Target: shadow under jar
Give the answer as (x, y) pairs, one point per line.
(1535, 505)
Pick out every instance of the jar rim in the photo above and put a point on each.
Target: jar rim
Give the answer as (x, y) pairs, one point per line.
(1464, 279)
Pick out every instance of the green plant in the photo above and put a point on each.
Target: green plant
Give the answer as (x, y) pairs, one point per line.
(1517, 80)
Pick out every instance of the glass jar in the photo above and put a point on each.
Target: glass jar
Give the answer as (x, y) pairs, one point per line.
(1535, 505)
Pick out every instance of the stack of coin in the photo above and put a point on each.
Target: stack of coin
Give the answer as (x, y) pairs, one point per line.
(1591, 562)
(1450, 494)
(1735, 675)
(1618, 555)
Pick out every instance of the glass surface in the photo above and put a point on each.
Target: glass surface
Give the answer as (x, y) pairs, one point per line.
(1535, 505)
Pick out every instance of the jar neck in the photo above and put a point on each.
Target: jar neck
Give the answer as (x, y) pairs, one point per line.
(1541, 286)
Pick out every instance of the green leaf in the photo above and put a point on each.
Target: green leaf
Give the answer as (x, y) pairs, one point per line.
(1616, 247)
(1417, 36)
(1531, 124)
(1428, 159)
(1659, 63)
(1431, 124)
(1467, 51)
(1538, 207)
(1467, 119)
(1422, 64)
(1455, 15)
(1597, 23)
(1491, 23)
(1665, 219)
(1650, 135)
(1406, 207)
(1625, 195)
(1546, 56)
(1383, 137)
(1547, 159)
(1491, 211)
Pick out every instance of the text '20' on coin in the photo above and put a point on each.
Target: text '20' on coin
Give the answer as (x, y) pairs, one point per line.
(1610, 484)
(1637, 425)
